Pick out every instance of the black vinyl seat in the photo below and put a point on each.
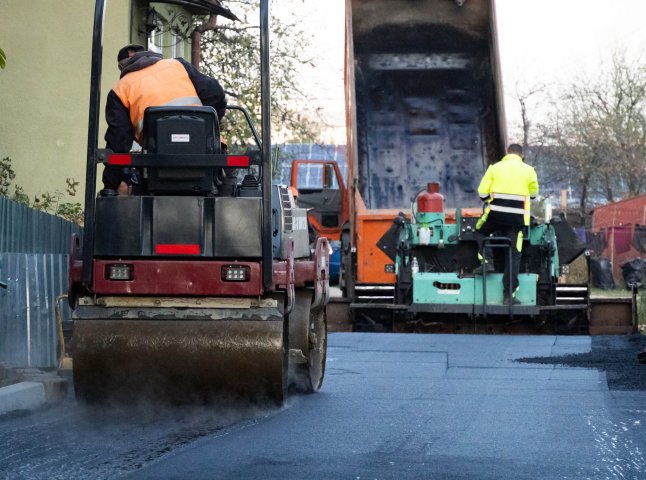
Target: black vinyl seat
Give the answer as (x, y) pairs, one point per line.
(181, 130)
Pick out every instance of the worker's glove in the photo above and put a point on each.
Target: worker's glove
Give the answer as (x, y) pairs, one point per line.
(130, 176)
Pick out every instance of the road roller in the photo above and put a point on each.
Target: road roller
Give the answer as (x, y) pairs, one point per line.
(179, 294)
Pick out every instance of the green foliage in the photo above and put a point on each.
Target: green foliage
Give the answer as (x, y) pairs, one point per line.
(71, 211)
(231, 54)
(71, 185)
(7, 176)
(3, 59)
(20, 196)
(47, 202)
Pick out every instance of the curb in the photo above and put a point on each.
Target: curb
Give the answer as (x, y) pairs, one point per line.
(21, 396)
(36, 391)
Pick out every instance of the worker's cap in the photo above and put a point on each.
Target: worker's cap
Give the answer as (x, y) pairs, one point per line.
(123, 53)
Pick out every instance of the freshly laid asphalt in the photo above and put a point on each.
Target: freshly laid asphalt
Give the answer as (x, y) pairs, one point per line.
(393, 406)
(437, 407)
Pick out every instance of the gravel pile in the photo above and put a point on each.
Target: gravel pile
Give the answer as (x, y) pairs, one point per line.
(618, 356)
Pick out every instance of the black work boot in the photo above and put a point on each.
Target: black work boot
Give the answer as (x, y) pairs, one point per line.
(488, 268)
(514, 300)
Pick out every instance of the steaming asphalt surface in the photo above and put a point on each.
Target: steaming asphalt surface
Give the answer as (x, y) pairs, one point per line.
(71, 441)
(392, 406)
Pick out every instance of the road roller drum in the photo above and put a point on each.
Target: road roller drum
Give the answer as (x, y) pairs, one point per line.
(179, 361)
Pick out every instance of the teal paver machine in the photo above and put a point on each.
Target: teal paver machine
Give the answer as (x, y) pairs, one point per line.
(435, 253)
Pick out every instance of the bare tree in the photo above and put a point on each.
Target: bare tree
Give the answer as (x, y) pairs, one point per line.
(580, 145)
(597, 128)
(230, 53)
(527, 98)
(620, 100)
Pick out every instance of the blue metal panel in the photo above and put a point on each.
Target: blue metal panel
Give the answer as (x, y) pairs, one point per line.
(34, 265)
(28, 330)
(25, 230)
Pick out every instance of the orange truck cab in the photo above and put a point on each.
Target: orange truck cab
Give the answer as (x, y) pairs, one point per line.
(319, 187)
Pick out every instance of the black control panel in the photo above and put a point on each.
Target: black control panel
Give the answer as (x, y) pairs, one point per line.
(467, 228)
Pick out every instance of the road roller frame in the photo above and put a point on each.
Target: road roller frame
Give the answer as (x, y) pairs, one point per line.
(191, 297)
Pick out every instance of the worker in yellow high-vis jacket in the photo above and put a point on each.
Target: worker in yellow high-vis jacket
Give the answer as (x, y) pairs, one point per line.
(507, 188)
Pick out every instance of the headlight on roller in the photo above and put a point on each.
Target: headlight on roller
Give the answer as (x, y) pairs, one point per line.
(119, 271)
(235, 273)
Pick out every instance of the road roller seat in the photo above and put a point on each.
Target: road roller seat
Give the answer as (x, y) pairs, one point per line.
(181, 130)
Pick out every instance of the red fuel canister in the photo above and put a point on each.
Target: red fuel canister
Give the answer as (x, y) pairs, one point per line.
(430, 201)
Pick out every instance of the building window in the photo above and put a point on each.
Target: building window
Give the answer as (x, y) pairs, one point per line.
(156, 37)
(177, 44)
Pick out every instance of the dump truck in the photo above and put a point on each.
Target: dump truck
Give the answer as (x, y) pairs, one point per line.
(423, 104)
(181, 295)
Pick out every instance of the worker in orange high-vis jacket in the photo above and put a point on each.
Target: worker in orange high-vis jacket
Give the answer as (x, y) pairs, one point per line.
(507, 188)
(149, 80)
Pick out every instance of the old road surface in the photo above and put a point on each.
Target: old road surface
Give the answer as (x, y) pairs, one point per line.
(392, 407)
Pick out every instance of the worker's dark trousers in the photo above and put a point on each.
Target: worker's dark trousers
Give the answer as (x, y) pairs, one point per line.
(226, 182)
(510, 231)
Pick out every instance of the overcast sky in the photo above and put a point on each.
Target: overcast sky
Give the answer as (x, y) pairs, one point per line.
(557, 42)
(540, 41)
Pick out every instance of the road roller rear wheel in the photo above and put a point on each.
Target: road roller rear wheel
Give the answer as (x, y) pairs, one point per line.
(315, 368)
(307, 343)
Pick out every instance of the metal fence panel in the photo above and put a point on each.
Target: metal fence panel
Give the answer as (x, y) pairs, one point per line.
(34, 259)
(28, 329)
(25, 230)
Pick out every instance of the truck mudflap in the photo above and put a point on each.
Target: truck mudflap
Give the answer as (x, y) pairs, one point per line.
(180, 355)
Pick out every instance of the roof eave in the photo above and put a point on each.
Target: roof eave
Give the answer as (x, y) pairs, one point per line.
(203, 7)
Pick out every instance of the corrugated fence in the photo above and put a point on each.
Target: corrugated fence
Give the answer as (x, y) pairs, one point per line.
(34, 265)
(620, 229)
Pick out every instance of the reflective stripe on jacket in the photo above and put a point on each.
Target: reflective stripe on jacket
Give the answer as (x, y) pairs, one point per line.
(508, 185)
(165, 83)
